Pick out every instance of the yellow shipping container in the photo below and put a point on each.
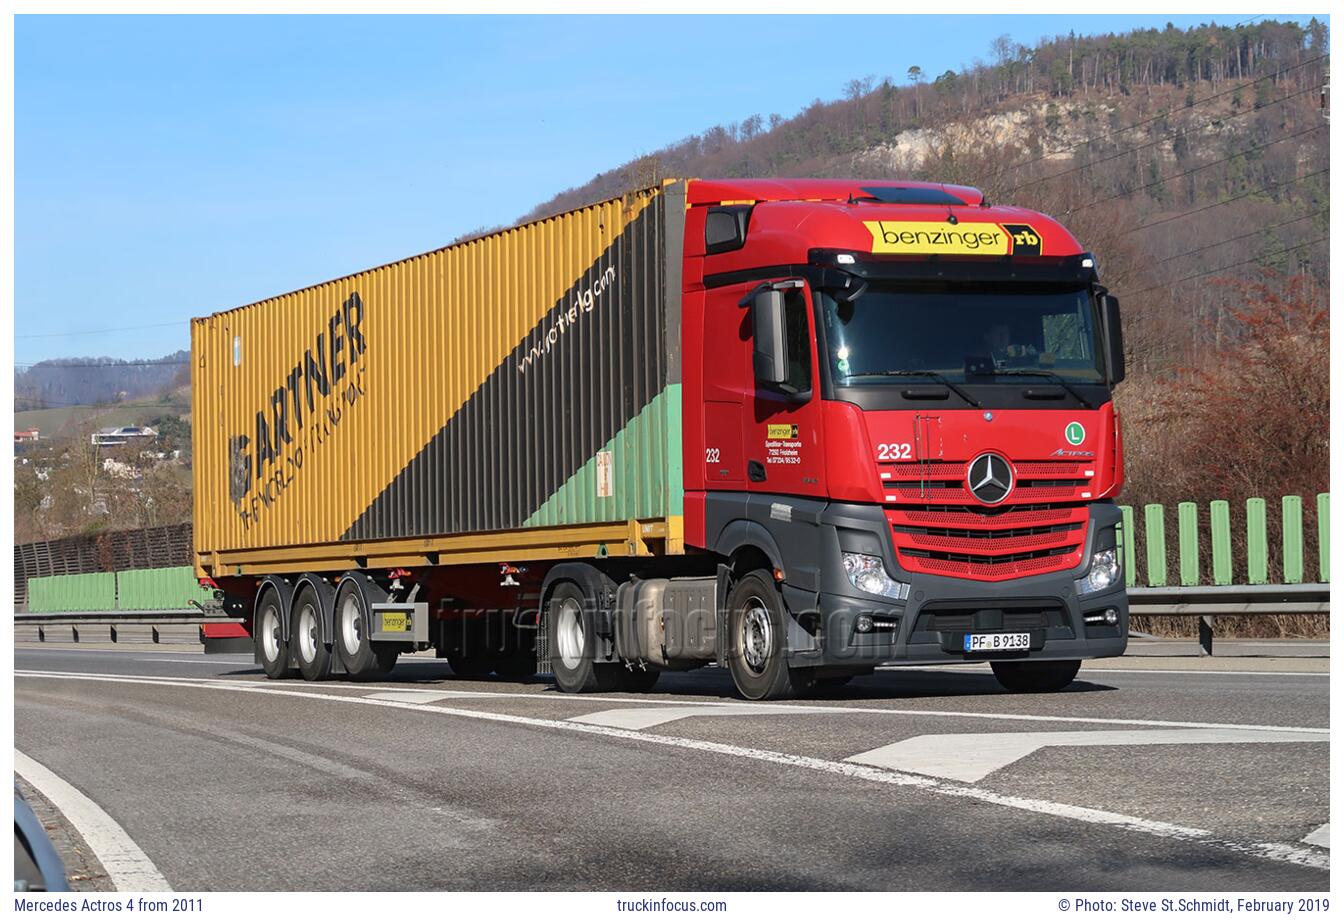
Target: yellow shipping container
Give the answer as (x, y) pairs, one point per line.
(516, 381)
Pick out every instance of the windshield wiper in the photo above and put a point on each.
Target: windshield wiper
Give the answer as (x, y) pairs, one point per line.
(1049, 375)
(931, 374)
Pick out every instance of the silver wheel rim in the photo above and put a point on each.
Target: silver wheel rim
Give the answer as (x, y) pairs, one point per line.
(757, 635)
(270, 633)
(352, 623)
(308, 632)
(569, 633)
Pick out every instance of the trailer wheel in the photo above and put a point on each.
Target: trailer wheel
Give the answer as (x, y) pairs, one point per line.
(569, 626)
(271, 649)
(1035, 676)
(361, 658)
(305, 636)
(756, 641)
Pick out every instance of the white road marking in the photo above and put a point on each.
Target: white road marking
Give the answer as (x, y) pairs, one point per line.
(1319, 837)
(976, 670)
(1205, 673)
(792, 707)
(126, 864)
(1310, 858)
(648, 717)
(424, 696)
(970, 758)
(213, 659)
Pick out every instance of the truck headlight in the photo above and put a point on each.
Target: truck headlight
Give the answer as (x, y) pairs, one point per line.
(1103, 574)
(869, 575)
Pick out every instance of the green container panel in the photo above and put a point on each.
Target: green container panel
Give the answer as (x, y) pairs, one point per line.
(71, 593)
(159, 589)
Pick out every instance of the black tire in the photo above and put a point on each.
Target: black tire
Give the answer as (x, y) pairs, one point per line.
(473, 668)
(272, 650)
(1035, 676)
(572, 639)
(311, 653)
(361, 658)
(756, 641)
(637, 681)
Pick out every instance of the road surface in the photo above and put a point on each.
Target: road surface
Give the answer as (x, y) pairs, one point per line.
(1149, 773)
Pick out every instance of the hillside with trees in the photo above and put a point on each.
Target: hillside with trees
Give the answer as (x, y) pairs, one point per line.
(1194, 163)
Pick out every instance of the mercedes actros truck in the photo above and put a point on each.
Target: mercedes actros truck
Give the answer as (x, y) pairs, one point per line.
(794, 428)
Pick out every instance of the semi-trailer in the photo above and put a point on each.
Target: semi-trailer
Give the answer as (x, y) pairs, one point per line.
(794, 428)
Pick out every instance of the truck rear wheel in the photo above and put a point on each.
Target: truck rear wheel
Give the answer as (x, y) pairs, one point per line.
(360, 656)
(756, 641)
(271, 649)
(1035, 676)
(305, 636)
(573, 641)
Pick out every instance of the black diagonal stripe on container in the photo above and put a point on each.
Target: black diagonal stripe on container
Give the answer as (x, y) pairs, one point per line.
(522, 434)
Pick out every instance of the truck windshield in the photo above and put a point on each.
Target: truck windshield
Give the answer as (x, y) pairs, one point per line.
(963, 332)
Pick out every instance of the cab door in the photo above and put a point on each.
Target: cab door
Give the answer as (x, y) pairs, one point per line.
(781, 432)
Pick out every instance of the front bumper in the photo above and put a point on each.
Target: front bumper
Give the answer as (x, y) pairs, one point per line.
(931, 624)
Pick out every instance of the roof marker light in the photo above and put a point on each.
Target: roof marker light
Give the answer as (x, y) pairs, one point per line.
(845, 258)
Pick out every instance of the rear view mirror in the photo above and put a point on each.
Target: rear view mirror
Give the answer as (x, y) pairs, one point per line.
(1114, 339)
(767, 329)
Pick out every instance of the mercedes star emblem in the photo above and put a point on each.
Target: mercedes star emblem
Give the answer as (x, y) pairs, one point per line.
(990, 478)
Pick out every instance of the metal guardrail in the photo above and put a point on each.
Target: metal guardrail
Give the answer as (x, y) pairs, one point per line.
(1203, 601)
(90, 620)
(1209, 601)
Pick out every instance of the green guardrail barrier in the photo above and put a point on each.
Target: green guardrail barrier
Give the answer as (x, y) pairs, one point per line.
(62, 593)
(159, 589)
(1214, 534)
(134, 589)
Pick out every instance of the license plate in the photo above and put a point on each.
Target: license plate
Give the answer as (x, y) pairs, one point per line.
(997, 642)
(396, 622)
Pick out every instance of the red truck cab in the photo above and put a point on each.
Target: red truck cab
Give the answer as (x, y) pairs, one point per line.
(900, 395)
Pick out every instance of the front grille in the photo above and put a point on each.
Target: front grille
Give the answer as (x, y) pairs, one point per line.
(940, 528)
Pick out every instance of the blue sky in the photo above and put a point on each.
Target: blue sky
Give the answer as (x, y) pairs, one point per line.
(169, 167)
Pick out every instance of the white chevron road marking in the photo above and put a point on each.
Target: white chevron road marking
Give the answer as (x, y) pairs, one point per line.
(970, 758)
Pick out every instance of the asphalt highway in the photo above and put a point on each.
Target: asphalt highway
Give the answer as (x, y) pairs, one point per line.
(1147, 774)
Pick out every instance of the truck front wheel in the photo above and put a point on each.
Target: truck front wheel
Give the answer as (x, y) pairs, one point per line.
(756, 637)
(1035, 676)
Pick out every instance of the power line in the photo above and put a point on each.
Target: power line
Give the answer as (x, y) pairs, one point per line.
(1162, 179)
(1190, 252)
(1223, 268)
(1219, 204)
(1164, 114)
(1164, 138)
(52, 335)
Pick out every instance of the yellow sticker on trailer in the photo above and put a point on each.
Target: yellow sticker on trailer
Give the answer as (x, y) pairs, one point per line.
(396, 622)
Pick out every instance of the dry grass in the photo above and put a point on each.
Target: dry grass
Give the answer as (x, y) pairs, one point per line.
(1287, 626)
